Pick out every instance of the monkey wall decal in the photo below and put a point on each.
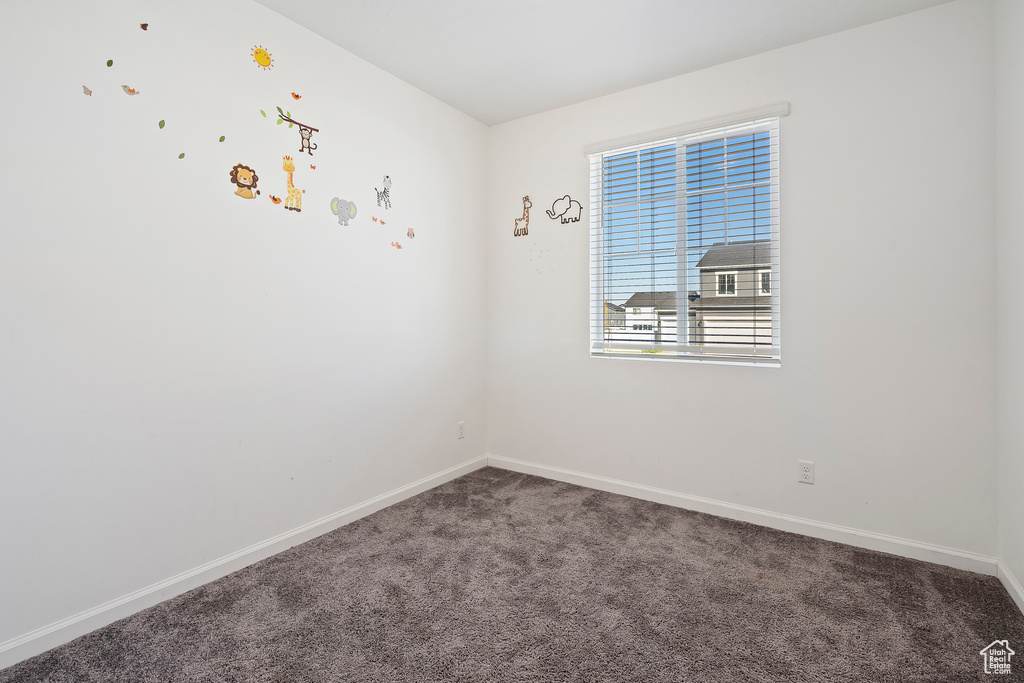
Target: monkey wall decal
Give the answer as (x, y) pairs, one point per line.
(305, 130)
(306, 134)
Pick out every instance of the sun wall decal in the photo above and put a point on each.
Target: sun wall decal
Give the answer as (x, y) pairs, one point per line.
(262, 57)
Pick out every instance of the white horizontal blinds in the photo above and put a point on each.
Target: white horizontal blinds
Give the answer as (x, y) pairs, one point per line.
(639, 199)
(685, 247)
(730, 185)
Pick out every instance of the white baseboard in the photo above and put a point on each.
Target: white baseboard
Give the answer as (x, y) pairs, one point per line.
(949, 557)
(1012, 585)
(66, 630)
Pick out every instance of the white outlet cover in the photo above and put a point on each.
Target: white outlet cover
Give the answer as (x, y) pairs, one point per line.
(805, 471)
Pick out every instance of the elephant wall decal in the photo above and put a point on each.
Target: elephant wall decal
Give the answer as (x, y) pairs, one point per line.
(566, 208)
(343, 209)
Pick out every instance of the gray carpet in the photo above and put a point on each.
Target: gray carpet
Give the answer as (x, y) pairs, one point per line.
(499, 576)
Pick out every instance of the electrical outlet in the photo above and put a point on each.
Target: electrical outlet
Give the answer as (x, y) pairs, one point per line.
(462, 430)
(806, 471)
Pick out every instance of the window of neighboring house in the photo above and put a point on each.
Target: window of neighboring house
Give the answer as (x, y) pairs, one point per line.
(636, 311)
(690, 212)
(727, 284)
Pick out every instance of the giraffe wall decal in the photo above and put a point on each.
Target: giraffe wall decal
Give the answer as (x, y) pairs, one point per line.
(294, 200)
(523, 222)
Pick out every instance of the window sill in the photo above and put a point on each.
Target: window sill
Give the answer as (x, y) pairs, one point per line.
(661, 357)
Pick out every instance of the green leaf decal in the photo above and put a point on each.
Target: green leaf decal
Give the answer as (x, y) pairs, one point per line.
(279, 111)
(221, 138)
(161, 124)
(264, 113)
(289, 114)
(291, 125)
(181, 156)
(280, 121)
(110, 62)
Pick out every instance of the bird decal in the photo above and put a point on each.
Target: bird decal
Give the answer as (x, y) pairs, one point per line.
(276, 200)
(86, 91)
(396, 245)
(144, 27)
(130, 91)
(298, 97)
(382, 222)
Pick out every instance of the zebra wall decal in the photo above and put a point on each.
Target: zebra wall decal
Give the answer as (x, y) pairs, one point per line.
(385, 194)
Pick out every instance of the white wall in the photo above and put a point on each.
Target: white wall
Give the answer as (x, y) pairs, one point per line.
(1010, 256)
(185, 373)
(888, 318)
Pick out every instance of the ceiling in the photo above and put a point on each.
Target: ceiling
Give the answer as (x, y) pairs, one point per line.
(499, 60)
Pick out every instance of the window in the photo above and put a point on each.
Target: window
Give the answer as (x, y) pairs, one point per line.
(726, 284)
(686, 225)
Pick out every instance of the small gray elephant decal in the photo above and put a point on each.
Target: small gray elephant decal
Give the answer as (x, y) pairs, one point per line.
(566, 208)
(343, 209)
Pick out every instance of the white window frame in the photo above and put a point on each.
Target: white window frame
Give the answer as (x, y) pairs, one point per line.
(681, 349)
(759, 285)
(726, 273)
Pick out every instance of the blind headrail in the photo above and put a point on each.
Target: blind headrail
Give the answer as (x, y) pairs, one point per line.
(780, 109)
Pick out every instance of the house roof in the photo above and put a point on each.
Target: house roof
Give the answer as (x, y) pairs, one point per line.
(613, 307)
(755, 253)
(662, 300)
(730, 302)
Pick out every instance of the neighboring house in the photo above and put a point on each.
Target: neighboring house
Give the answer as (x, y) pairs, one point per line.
(614, 321)
(734, 305)
(650, 317)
